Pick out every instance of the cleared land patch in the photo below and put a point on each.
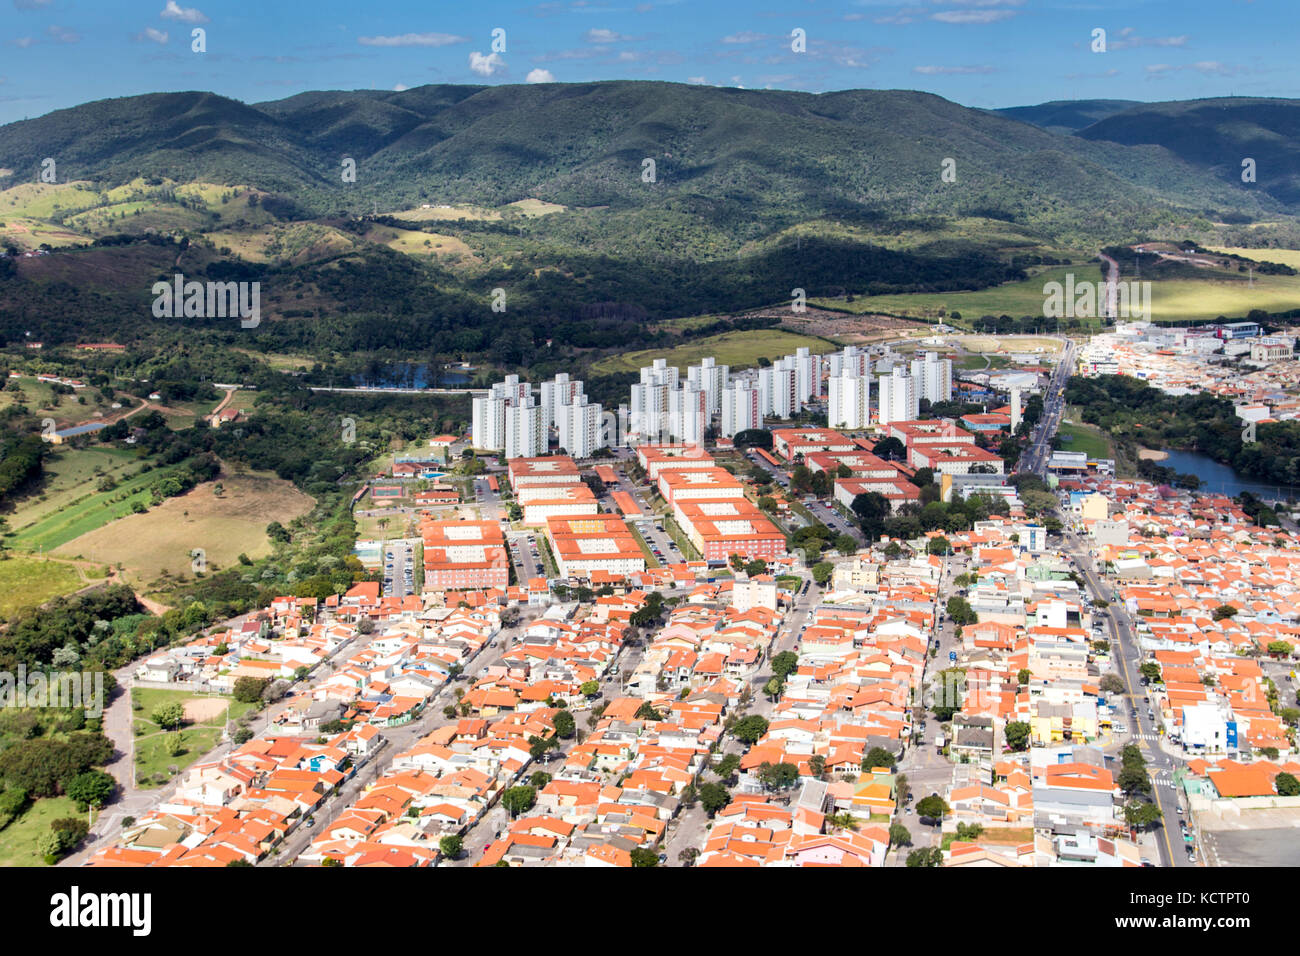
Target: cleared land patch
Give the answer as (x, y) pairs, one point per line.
(737, 349)
(164, 537)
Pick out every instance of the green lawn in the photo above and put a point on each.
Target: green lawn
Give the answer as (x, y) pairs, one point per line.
(151, 754)
(27, 582)
(1086, 439)
(736, 349)
(18, 840)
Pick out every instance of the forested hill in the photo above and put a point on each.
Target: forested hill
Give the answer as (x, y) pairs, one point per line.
(740, 164)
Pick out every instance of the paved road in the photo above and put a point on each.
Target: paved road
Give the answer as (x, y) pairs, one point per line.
(1142, 729)
(1033, 460)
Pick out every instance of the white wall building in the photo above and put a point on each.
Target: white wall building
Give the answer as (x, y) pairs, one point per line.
(488, 424)
(899, 401)
(526, 431)
(850, 401)
(741, 409)
(934, 377)
(579, 428)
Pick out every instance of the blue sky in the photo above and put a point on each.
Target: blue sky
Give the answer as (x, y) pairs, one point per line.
(986, 53)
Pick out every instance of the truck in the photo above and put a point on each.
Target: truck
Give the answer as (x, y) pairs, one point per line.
(938, 742)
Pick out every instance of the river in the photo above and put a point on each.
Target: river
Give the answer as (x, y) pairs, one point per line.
(1221, 479)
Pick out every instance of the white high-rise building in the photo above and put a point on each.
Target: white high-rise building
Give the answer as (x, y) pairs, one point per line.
(741, 409)
(488, 423)
(579, 428)
(689, 414)
(660, 373)
(934, 377)
(712, 378)
(808, 377)
(850, 401)
(851, 361)
(898, 399)
(557, 393)
(648, 411)
(776, 389)
(526, 431)
(513, 391)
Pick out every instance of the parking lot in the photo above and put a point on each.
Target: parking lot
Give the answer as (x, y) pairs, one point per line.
(399, 569)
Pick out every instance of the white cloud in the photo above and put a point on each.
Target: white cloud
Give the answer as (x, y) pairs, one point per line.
(745, 36)
(603, 36)
(413, 39)
(486, 65)
(23, 42)
(62, 35)
(951, 70)
(173, 11)
(1128, 39)
(539, 76)
(695, 80)
(400, 88)
(972, 16)
(31, 4)
(157, 36)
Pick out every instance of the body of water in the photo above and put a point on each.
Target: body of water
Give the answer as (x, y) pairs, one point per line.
(416, 375)
(1221, 479)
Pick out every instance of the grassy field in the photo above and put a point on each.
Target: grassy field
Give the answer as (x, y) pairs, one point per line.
(535, 207)
(1172, 300)
(425, 244)
(222, 527)
(18, 840)
(197, 736)
(27, 582)
(1086, 439)
(1288, 257)
(449, 212)
(70, 504)
(737, 349)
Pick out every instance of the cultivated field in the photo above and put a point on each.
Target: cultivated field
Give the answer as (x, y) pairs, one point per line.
(737, 349)
(1287, 257)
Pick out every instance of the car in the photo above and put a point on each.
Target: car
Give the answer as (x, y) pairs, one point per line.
(1179, 809)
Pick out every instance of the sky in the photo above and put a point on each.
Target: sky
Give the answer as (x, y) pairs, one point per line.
(983, 53)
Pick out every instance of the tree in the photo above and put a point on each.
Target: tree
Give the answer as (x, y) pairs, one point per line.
(687, 856)
(939, 545)
(846, 544)
(1140, 815)
(450, 846)
(842, 821)
(932, 807)
(564, 725)
(1133, 779)
(725, 769)
(749, 729)
(647, 712)
(950, 684)
(817, 766)
(960, 611)
(899, 835)
(1017, 735)
(878, 757)
(785, 664)
(643, 857)
(49, 846)
(1151, 671)
(539, 779)
(890, 449)
(519, 799)
(902, 789)
(91, 788)
(713, 797)
(249, 690)
(538, 747)
(927, 856)
(1023, 676)
(589, 688)
(1112, 684)
(1287, 785)
(169, 716)
(778, 776)
(822, 572)
(1224, 611)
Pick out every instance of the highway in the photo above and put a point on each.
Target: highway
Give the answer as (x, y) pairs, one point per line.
(1033, 460)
